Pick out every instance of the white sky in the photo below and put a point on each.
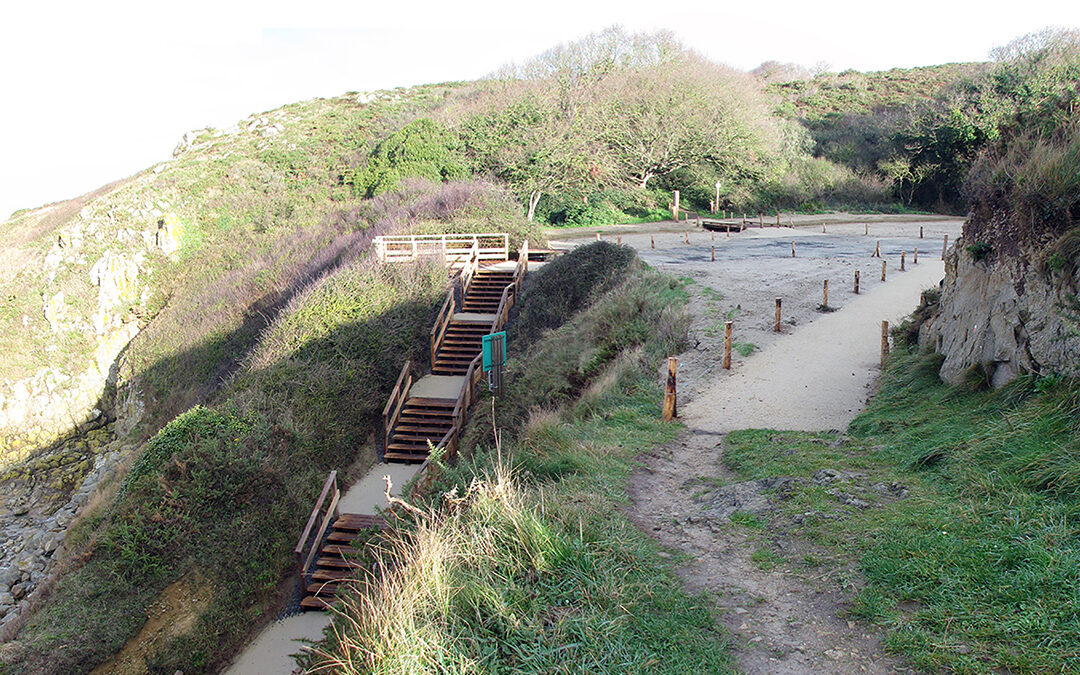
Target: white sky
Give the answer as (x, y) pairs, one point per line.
(95, 91)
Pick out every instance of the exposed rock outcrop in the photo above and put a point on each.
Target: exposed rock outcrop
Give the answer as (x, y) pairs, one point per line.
(1003, 314)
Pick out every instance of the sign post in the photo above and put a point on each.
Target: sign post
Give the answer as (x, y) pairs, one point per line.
(493, 358)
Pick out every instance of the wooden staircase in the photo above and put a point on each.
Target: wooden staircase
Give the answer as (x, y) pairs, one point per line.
(337, 561)
(459, 347)
(422, 421)
(416, 420)
(486, 290)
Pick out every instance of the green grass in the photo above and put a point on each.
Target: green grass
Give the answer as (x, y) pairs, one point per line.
(977, 567)
(538, 569)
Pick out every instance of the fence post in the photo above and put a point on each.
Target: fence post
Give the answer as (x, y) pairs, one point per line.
(652, 240)
(825, 294)
(944, 246)
(866, 229)
(903, 256)
(597, 236)
(727, 345)
(920, 232)
(884, 342)
(670, 405)
(856, 282)
(675, 206)
(792, 249)
(883, 270)
(776, 325)
(714, 254)
(915, 258)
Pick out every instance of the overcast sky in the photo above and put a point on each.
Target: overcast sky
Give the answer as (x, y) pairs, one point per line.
(95, 91)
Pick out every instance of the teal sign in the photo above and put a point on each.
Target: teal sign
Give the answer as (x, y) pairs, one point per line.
(493, 350)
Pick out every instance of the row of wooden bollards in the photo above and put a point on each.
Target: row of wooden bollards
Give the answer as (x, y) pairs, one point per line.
(670, 409)
(875, 254)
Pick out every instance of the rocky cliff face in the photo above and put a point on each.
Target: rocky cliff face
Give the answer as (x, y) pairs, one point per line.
(1005, 315)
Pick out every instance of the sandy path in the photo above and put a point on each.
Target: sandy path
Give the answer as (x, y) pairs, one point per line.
(819, 376)
(814, 376)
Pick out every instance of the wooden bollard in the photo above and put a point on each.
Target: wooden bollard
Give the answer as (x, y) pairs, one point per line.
(883, 270)
(877, 250)
(903, 255)
(825, 294)
(823, 228)
(727, 345)
(618, 240)
(778, 219)
(920, 232)
(792, 249)
(856, 282)
(675, 205)
(699, 220)
(714, 254)
(713, 233)
(652, 241)
(760, 219)
(884, 342)
(597, 236)
(776, 324)
(791, 223)
(866, 229)
(670, 405)
(915, 258)
(944, 246)
(687, 237)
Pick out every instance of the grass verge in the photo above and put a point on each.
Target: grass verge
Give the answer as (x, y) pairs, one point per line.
(962, 509)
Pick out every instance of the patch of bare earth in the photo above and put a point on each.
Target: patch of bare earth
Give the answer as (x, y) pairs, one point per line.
(173, 614)
(785, 618)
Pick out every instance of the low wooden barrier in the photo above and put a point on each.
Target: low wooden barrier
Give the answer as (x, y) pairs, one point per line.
(454, 249)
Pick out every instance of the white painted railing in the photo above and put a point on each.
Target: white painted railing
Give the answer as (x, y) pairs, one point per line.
(454, 249)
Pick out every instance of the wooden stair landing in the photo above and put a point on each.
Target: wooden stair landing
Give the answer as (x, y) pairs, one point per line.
(336, 562)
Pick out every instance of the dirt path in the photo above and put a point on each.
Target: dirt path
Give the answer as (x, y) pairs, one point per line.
(815, 376)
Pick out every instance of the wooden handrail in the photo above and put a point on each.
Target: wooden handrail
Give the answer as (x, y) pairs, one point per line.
(304, 563)
(442, 323)
(330, 481)
(331, 515)
(469, 270)
(509, 294)
(397, 400)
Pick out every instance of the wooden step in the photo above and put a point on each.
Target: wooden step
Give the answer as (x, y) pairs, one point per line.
(416, 401)
(337, 562)
(399, 456)
(323, 588)
(341, 537)
(331, 575)
(335, 549)
(358, 521)
(316, 602)
(435, 427)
